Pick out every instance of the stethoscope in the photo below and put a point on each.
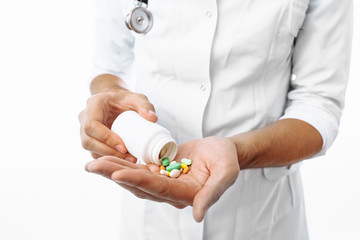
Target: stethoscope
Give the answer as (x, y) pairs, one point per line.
(140, 20)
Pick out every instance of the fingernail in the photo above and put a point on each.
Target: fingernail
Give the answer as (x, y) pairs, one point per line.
(151, 112)
(121, 148)
(130, 159)
(88, 166)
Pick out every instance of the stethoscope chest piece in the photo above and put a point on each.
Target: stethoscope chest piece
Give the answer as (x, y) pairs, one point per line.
(140, 20)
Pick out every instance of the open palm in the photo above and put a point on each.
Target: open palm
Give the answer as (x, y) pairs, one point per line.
(215, 168)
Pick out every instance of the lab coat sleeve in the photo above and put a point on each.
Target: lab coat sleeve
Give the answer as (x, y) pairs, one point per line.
(114, 42)
(320, 67)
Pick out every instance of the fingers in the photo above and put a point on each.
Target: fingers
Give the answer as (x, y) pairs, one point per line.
(99, 115)
(207, 196)
(98, 131)
(99, 149)
(120, 162)
(96, 125)
(143, 195)
(95, 155)
(136, 102)
(105, 167)
(149, 115)
(214, 187)
(147, 180)
(110, 164)
(157, 185)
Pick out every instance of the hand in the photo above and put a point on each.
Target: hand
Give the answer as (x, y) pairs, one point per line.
(215, 168)
(98, 116)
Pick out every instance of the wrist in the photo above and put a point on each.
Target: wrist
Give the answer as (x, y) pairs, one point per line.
(247, 150)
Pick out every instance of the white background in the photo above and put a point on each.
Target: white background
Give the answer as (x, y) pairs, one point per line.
(45, 61)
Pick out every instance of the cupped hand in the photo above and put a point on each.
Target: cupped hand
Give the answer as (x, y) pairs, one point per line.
(98, 116)
(215, 168)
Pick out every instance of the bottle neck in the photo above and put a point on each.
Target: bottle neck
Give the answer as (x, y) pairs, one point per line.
(160, 146)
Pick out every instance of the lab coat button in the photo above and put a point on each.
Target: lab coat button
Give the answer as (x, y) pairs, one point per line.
(203, 88)
(208, 14)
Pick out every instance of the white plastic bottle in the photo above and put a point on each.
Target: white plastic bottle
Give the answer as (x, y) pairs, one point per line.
(144, 139)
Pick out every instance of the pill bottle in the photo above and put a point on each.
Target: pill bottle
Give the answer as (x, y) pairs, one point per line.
(145, 140)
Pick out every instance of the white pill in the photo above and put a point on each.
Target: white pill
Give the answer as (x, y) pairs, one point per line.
(163, 172)
(172, 162)
(175, 173)
(186, 161)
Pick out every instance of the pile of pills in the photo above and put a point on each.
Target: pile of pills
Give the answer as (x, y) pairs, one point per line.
(174, 169)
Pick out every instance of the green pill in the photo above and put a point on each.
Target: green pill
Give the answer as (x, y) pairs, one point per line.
(173, 166)
(165, 162)
(186, 161)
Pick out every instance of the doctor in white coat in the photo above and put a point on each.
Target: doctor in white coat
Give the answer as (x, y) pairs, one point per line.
(248, 88)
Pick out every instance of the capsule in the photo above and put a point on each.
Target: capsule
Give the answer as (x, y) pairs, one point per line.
(186, 161)
(165, 161)
(173, 166)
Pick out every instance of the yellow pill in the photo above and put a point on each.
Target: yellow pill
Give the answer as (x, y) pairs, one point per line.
(183, 165)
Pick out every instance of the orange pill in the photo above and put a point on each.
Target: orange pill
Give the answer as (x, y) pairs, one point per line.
(162, 167)
(186, 170)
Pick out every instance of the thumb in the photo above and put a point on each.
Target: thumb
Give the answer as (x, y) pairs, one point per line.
(126, 100)
(211, 192)
(148, 114)
(213, 189)
(141, 104)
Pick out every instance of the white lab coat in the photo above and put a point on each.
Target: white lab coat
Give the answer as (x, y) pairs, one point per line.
(221, 68)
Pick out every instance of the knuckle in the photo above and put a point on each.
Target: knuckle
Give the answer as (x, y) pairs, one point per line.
(88, 127)
(119, 96)
(141, 97)
(179, 206)
(164, 193)
(141, 196)
(94, 99)
(235, 172)
(217, 196)
(80, 116)
(90, 100)
(86, 143)
(95, 155)
(97, 167)
(117, 154)
(107, 138)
